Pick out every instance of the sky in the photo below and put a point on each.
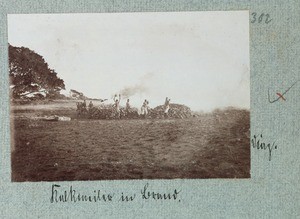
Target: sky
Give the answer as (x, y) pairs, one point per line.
(200, 59)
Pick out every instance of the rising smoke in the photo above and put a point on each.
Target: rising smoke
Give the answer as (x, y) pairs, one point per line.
(132, 90)
(139, 88)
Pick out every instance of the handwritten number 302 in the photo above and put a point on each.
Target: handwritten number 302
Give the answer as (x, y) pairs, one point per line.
(261, 18)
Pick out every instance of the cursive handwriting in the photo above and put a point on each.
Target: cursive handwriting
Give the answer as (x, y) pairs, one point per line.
(257, 142)
(71, 195)
(146, 194)
(59, 195)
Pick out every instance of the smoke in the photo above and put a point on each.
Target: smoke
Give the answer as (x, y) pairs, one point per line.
(132, 90)
(139, 88)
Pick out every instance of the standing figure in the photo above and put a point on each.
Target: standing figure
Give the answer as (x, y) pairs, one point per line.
(84, 109)
(144, 109)
(127, 107)
(91, 105)
(167, 107)
(117, 105)
(147, 107)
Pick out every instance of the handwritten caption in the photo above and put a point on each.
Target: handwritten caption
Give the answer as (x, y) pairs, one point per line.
(258, 143)
(58, 194)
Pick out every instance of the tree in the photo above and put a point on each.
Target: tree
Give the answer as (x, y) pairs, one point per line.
(29, 74)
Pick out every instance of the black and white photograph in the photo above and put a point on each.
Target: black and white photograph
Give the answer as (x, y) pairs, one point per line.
(123, 96)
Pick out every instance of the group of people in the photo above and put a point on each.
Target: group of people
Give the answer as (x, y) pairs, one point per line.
(144, 109)
(117, 100)
(82, 109)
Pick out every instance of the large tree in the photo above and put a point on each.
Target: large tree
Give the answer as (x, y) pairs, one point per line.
(29, 73)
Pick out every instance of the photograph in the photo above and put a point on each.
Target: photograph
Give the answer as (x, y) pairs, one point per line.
(129, 96)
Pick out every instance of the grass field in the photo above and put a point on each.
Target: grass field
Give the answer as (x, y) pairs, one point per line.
(214, 145)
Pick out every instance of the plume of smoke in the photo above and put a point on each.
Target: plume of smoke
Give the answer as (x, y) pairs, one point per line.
(140, 88)
(132, 90)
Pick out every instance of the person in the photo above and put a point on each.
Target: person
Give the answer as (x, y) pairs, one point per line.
(167, 106)
(84, 110)
(117, 105)
(144, 108)
(127, 107)
(147, 107)
(91, 105)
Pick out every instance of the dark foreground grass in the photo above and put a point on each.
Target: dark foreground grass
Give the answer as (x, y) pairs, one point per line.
(215, 145)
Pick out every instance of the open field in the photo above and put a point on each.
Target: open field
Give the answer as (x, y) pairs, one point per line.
(214, 145)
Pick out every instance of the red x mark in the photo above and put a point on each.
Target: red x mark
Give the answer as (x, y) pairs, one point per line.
(281, 96)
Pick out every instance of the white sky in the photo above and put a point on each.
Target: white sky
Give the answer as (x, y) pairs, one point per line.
(200, 59)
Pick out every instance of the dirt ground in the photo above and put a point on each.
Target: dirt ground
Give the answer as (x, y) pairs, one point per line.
(206, 146)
